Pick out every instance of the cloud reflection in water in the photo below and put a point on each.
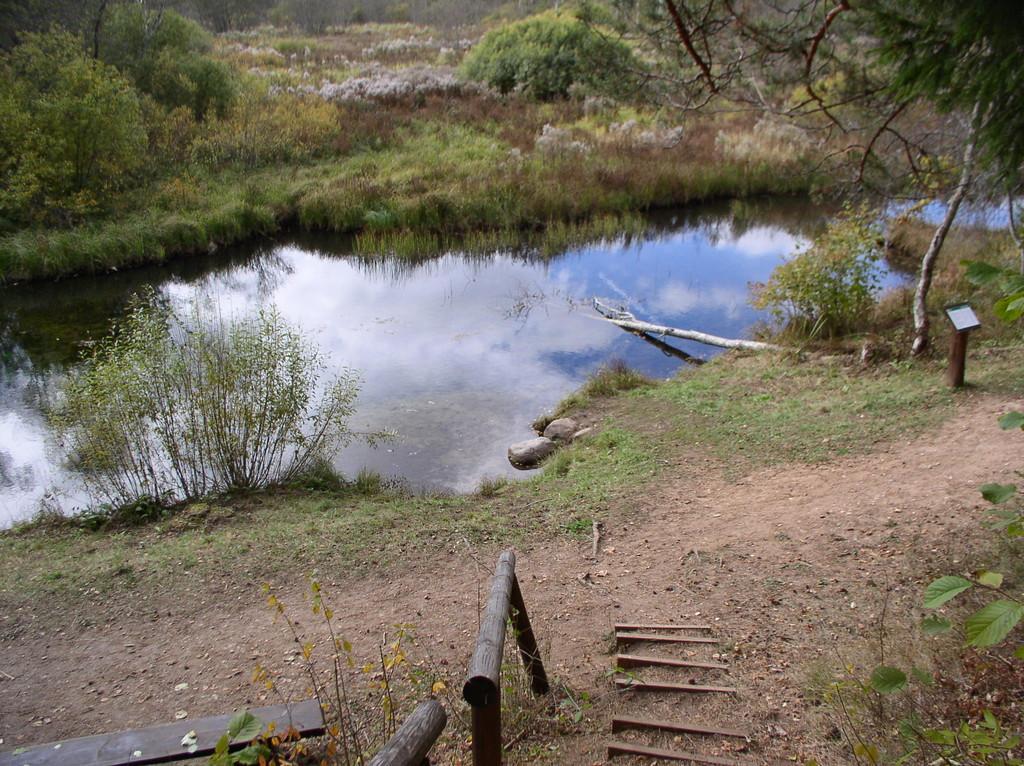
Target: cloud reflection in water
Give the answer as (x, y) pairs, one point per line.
(460, 353)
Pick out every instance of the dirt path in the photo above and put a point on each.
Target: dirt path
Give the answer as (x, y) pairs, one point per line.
(788, 564)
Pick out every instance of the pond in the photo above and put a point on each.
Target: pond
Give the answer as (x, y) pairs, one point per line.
(457, 353)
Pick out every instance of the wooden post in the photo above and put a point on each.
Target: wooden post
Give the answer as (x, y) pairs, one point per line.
(963, 319)
(484, 680)
(411, 743)
(487, 733)
(527, 642)
(957, 358)
(482, 689)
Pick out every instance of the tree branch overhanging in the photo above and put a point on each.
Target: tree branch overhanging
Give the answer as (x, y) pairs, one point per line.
(812, 51)
(684, 37)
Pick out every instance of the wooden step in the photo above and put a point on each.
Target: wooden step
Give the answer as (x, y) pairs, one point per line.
(625, 748)
(660, 686)
(625, 722)
(635, 626)
(637, 660)
(662, 638)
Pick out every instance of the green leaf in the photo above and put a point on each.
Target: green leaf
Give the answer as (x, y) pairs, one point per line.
(998, 493)
(943, 589)
(250, 756)
(907, 729)
(223, 745)
(922, 676)
(1012, 420)
(990, 579)
(980, 273)
(933, 625)
(886, 680)
(244, 726)
(993, 623)
(990, 720)
(940, 736)
(1010, 308)
(1019, 652)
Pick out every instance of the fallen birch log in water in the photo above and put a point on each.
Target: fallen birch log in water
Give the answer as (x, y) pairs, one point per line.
(627, 321)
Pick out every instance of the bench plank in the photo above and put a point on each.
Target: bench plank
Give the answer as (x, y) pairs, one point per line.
(161, 744)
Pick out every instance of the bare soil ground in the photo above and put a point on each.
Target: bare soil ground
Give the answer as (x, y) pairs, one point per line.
(791, 566)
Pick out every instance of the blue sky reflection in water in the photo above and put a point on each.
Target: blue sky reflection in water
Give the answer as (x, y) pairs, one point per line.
(458, 354)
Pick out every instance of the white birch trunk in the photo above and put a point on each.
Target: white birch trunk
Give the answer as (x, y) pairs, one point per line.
(922, 324)
(627, 321)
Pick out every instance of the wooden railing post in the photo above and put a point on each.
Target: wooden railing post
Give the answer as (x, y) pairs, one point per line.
(482, 689)
(411, 743)
(527, 641)
(487, 733)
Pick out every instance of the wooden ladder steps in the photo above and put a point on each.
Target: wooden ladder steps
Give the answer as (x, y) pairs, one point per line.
(667, 633)
(625, 722)
(663, 639)
(635, 626)
(660, 686)
(638, 660)
(624, 748)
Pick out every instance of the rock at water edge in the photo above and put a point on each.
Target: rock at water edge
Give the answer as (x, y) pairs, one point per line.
(530, 453)
(561, 430)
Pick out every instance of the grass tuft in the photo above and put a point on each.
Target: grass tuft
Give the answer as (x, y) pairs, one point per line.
(609, 380)
(369, 483)
(492, 487)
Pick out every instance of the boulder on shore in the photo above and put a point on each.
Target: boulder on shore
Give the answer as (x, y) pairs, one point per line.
(530, 453)
(562, 430)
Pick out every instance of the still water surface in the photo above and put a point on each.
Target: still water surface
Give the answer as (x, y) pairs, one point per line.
(458, 354)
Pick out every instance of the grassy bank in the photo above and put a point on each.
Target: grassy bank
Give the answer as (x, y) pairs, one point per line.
(729, 417)
(436, 181)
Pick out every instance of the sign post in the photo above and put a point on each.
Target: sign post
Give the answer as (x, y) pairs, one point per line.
(964, 320)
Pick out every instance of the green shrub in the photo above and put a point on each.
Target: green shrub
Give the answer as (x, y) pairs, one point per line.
(71, 131)
(178, 408)
(164, 55)
(545, 55)
(830, 288)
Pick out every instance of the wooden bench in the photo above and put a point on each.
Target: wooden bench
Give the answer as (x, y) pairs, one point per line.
(162, 744)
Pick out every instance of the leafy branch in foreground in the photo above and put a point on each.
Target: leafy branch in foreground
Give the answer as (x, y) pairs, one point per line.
(984, 742)
(178, 407)
(1010, 305)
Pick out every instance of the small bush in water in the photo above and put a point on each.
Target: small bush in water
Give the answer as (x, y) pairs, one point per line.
(830, 288)
(177, 408)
